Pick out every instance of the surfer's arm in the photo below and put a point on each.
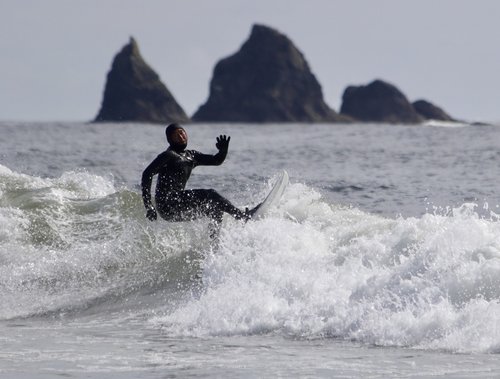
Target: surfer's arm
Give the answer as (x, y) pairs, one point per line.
(217, 159)
(147, 179)
(209, 160)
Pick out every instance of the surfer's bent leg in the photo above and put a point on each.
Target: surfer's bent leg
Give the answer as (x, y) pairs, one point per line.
(212, 204)
(190, 204)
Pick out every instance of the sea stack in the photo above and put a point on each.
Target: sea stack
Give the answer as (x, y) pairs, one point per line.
(267, 80)
(430, 111)
(378, 101)
(134, 92)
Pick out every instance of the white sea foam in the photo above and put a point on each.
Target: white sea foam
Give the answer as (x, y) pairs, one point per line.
(429, 282)
(73, 184)
(446, 124)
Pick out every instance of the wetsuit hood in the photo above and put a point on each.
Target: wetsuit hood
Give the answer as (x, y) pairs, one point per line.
(168, 132)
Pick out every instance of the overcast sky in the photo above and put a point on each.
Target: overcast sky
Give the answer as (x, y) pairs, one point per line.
(55, 54)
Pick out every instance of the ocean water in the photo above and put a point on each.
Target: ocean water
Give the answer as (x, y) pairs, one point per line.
(381, 261)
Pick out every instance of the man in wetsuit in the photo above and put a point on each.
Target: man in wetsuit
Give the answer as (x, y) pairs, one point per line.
(173, 167)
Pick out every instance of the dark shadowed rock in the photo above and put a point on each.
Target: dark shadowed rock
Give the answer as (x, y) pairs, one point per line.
(378, 102)
(267, 80)
(134, 92)
(430, 111)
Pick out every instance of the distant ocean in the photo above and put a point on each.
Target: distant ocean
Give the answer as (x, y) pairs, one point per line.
(381, 261)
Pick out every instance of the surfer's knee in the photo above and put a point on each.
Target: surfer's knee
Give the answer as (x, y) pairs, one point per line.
(213, 192)
(214, 195)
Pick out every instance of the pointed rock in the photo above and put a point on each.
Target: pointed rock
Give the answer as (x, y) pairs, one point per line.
(134, 92)
(378, 101)
(430, 111)
(267, 80)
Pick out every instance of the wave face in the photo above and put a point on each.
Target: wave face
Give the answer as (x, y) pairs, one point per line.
(312, 269)
(74, 242)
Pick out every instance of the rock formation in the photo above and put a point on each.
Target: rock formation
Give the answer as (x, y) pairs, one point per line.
(378, 102)
(430, 111)
(134, 92)
(267, 80)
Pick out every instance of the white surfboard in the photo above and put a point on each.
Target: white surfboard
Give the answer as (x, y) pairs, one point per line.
(274, 196)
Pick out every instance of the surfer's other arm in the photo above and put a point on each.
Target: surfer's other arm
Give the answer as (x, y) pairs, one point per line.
(147, 179)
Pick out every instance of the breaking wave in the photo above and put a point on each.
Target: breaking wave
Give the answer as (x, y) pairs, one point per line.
(311, 269)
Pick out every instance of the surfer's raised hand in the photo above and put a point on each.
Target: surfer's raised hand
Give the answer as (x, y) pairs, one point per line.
(222, 142)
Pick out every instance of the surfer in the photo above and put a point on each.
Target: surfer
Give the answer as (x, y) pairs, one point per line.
(173, 167)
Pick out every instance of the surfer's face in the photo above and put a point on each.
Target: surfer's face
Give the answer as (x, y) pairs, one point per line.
(179, 137)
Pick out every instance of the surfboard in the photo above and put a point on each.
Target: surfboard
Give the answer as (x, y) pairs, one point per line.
(274, 196)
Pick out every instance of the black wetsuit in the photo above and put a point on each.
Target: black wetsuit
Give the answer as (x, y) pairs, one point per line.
(173, 202)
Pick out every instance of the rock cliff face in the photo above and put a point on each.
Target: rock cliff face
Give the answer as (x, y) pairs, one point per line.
(378, 102)
(267, 80)
(430, 111)
(134, 92)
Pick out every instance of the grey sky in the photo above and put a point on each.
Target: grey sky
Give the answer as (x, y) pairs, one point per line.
(55, 54)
